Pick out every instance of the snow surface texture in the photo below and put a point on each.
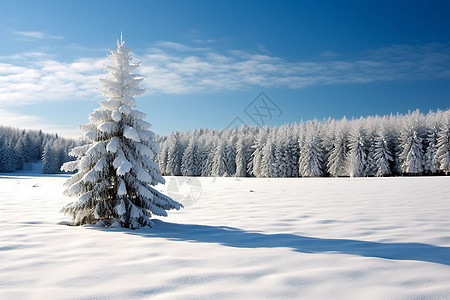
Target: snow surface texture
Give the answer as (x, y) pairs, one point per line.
(246, 238)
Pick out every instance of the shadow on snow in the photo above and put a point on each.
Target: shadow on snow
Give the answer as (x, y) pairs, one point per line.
(234, 237)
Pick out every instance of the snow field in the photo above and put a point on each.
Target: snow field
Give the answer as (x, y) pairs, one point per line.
(248, 238)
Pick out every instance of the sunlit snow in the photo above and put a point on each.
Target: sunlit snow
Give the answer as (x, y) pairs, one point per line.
(244, 238)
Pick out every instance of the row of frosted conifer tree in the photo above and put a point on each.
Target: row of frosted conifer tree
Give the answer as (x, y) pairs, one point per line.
(19, 147)
(411, 144)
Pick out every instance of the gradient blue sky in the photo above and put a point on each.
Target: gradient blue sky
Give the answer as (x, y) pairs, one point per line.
(206, 61)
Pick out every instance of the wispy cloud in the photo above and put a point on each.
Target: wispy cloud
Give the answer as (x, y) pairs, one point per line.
(173, 68)
(178, 46)
(178, 73)
(35, 35)
(31, 79)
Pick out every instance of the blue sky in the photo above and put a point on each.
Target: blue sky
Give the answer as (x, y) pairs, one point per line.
(206, 62)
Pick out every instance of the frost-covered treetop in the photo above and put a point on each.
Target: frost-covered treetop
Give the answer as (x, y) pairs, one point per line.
(121, 84)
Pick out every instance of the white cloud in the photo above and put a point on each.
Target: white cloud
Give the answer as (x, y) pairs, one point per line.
(178, 46)
(173, 68)
(178, 73)
(38, 78)
(35, 35)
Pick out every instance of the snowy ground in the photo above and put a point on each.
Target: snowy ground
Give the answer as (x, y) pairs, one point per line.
(326, 238)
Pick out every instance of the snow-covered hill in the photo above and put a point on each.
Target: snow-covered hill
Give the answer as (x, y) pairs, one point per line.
(246, 238)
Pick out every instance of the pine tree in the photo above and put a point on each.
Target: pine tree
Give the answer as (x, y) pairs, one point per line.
(286, 151)
(430, 164)
(244, 152)
(116, 169)
(312, 157)
(190, 163)
(7, 159)
(292, 153)
(268, 159)
(338, 155)
(162, 156)
(241, 156)
(357, 162)
(443, 145)
(174, 155)
(257, 155)
(381, 152)
(18, 152)
(50, 160)
(411, 138)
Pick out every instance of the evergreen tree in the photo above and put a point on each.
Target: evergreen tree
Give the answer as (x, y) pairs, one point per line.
(268, 159)
(191, 164)
(443, 145)
(219, 167)
(312, 157)
(7, 159)
(18, 153)
(244, 152)
(162, 157)
(357, 162)
(241, 156)
(257, 155)
(381, 152)
(430, 163)
(292, 153)
(338, 157)
(50, 159)
(411, 138)
(174, 155)
(116, 169)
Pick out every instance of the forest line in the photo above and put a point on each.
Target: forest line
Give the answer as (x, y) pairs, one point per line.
(410, 144)
(395, 145)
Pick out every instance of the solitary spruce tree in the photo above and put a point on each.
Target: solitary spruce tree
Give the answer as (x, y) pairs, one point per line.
(116, 169)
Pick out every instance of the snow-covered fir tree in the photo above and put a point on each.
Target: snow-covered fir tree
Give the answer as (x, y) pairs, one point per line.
(243, 152)
(162, 155)
(443, 144)
(292, 152)
(312, 157)
(338, 157)
(174, 155)
(257, 155)
(411, 137)
(381, 152)
(50, 162)
(7, 159)
(357, 156)
(280, 163)
(286, 151)
(224, 163)
(370, 128)
(268, 158)
(116, 171)
(191, 160)
(430, 162)
(18, 152)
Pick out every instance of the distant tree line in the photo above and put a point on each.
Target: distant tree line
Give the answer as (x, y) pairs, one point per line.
(18, 147)
(411, 144)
